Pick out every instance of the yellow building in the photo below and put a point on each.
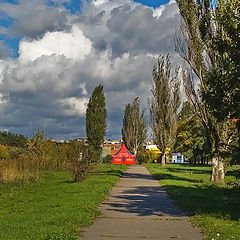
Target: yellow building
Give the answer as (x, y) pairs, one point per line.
(154, 152)
(153, 148)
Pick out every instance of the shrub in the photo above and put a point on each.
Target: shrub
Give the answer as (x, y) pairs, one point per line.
(107, 159)
(147, 157)
(84, 158)
(141, 158)
(4, 153)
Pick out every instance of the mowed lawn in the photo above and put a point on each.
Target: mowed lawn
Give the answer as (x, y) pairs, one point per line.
(54, 207)
(215, 208)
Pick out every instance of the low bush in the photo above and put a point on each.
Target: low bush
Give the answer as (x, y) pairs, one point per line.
(147, 157)
(107, 159)
(141, 158)
(83, 159)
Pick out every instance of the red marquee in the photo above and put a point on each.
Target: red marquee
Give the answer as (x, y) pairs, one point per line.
(123, 156)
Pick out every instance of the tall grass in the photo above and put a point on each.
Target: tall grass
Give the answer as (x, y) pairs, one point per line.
(23, 164)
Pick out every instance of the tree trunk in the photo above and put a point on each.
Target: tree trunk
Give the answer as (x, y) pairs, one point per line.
(163, 162)
(218, 172)
(135, 151)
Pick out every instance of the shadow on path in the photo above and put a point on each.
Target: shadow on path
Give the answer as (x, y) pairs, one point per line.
(144, 201)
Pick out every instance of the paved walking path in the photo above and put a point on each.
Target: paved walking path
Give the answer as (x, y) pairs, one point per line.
(138, 208)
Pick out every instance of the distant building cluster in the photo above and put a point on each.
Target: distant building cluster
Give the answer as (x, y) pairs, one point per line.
(108, 144)
(111, 147)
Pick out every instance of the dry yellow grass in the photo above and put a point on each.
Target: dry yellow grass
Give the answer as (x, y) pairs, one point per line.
(8, 171)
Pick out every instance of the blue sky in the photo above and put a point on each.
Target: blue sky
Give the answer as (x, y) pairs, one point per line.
(74, 5)
(152, 3)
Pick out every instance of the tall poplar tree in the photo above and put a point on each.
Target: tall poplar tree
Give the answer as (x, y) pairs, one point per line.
(209, 44)
(96, 118)
(163, 105)
(134, 128)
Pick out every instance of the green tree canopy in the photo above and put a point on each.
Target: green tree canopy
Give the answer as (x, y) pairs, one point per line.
(209, 44)
(96, 118)
(191, 136)
(164, 104)
(134, 128)
(13, 140)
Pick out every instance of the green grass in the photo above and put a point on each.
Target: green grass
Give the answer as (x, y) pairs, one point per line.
(54, 207)
(215, 208)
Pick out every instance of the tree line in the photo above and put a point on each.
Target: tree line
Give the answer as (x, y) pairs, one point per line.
(14, 140)
(208, 124)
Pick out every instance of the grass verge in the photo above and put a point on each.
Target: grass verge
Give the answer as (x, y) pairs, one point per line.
(54, 207)
(215, 208)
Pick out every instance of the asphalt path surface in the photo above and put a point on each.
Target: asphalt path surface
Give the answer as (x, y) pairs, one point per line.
(138, 208)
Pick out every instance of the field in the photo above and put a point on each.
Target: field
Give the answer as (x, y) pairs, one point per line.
(214, 207)
(54, 207)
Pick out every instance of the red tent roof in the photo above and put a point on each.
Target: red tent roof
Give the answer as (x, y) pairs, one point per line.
(123, 151)
(123, 156)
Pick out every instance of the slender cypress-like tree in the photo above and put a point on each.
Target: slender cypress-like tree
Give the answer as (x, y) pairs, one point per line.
(163, 105)
(134, 128)
(96, 118)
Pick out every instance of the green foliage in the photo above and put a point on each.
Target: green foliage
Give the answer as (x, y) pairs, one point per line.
(134, 128)
(22, 165)
(107, 159)
(54, 207)
(13, 140)
(235, 183)
(152, 157)
(4, 152)
(223, 78)
(164, 104)
(96, 118)
(191, 136)
(215, 208)
(141, 158)
(83, 159)
(210, 47)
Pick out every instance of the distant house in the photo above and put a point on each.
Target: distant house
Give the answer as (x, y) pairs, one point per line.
(83, 139)
(152, 148)
(110, 147)
(177, 158)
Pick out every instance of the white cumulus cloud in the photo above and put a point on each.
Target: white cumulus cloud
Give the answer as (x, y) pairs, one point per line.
(72, 45)
(99, 2)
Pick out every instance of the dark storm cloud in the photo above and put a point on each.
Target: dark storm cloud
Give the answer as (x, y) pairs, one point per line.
(33, 18)
(137, 31)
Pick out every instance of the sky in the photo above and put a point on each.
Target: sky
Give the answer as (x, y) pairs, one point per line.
(53, 53)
